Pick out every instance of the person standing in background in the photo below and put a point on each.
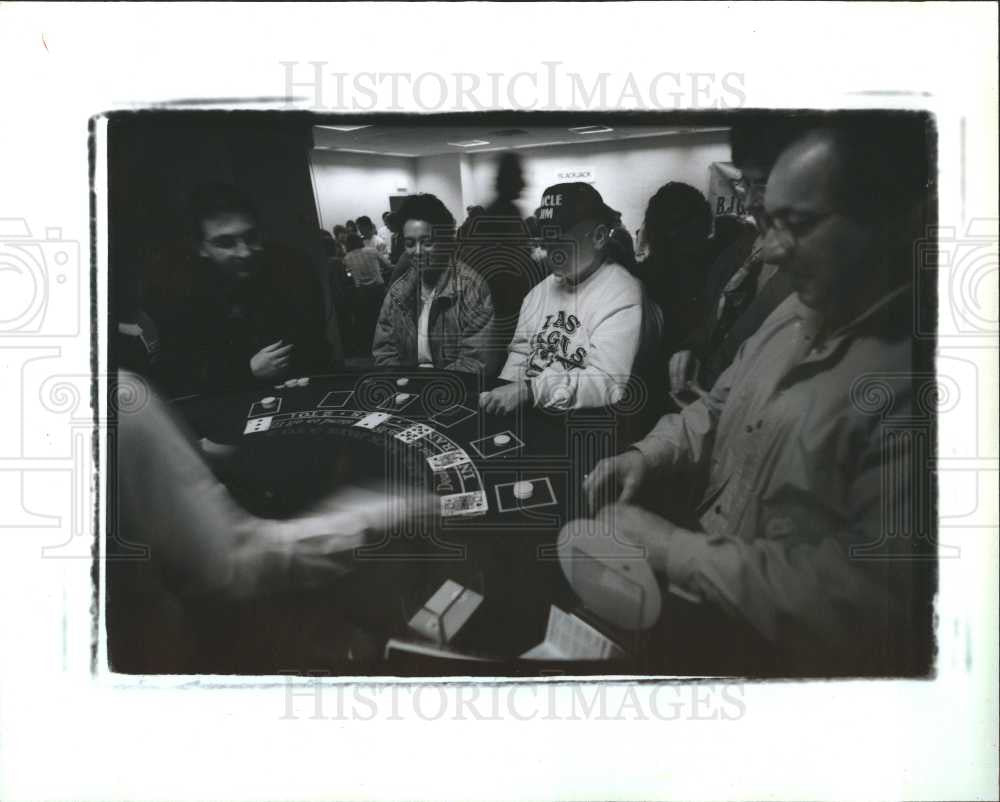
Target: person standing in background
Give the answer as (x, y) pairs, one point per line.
(366, 229)
(366, 268)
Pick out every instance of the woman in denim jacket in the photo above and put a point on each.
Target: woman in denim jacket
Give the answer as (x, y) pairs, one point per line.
(439, 313)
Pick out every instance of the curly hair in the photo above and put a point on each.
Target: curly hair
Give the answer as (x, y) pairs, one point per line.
(428, 208)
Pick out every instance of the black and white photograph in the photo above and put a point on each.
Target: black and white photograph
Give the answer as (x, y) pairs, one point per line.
(692, 336)
(499, 401)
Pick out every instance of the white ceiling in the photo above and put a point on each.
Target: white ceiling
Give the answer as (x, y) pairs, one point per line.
(424, 140)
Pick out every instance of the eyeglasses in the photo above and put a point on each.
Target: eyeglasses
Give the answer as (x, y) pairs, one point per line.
(789, 229)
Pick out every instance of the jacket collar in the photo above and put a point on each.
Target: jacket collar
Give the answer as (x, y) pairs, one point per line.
(409, 283)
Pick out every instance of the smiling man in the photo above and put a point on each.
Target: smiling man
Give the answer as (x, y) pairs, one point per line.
(802, 478)
(578, 330)
(233, 311)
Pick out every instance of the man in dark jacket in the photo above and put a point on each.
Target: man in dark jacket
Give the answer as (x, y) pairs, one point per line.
(233, 312)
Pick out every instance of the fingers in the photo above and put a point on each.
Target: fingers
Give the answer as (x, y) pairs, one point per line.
(679, 365)
(272, 346)
(676, 373)
(594, 486)
(697, 388)
(282, 352)
(630, 487)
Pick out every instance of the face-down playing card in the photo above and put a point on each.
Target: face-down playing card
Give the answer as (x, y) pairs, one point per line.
(525, 495)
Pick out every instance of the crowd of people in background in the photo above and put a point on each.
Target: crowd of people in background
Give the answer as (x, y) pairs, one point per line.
(749, 333)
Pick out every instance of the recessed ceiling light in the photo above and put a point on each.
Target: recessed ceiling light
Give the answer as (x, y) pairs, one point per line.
(358, 150)
(591, 129)
(343, 128)
(406, 155)
(472, 143)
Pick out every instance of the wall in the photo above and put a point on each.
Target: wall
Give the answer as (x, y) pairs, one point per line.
(348, 185)
(442, 176)
(627, 172)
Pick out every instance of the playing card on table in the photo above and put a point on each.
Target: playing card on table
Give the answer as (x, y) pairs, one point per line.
(452, 415)
(336, 399)
(373, 420)
(258, 425)
(489, 447)
(448, 459)
(413, 433)
(464, 504)
(542, 495)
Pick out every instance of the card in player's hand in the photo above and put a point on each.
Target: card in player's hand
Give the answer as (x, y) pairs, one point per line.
(257, 408)
(496, 444)
(398, 402)
(542, 495)
(373, 420)
(413, 433)
(258, 425)
(452, 415)
(472, 503)
(335, 399)
(448, 459)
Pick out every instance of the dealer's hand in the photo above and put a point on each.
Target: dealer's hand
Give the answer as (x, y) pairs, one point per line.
(615, 479)
(505, 399)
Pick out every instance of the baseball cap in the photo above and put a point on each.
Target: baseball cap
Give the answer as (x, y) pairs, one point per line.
(565, 205)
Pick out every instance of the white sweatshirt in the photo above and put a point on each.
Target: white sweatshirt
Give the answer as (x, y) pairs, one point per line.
(577, 343)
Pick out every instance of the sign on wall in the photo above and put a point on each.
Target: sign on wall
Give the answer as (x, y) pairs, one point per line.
(722, 197)
(565, 175)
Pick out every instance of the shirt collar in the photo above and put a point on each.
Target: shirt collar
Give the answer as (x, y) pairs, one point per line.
(813, 320)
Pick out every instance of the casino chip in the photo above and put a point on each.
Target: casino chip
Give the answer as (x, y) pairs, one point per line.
(523, 490)
(402, 382)
(268, 402)
(501, 440)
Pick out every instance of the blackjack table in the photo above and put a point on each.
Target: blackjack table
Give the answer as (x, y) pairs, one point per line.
(506, 485)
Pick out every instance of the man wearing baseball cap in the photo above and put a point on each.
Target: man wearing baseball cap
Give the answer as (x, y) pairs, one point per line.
(578, 330)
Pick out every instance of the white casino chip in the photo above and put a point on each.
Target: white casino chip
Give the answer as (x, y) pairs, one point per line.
(523, 490)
